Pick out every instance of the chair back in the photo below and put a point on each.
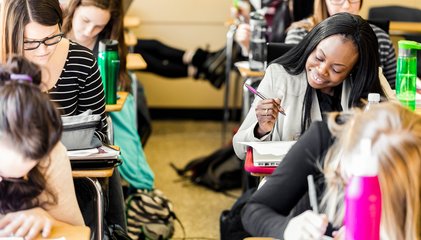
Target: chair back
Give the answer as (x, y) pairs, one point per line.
(381, 23)
(276, 50)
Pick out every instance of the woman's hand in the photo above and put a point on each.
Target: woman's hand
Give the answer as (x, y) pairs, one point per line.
(27, 223)
(242, 37)
(340, 234)
(267, 112)
(307, 226)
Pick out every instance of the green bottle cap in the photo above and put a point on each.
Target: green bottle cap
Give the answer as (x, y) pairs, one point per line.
(406, 44)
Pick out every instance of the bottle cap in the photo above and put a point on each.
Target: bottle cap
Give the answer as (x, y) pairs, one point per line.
(406, 44)
(374, 97)
(363, 163)
(108, 45)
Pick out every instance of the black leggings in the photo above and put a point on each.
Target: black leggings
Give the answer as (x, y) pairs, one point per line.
(162, 59)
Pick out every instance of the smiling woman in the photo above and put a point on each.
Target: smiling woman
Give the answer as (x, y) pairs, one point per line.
(334, 66)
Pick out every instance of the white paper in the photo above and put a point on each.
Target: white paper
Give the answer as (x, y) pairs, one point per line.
(102, 152)
(82, 153)
(277, 148)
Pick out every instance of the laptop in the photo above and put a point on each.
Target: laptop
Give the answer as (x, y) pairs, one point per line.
(270, 153)
(103, 157)
(275, 50)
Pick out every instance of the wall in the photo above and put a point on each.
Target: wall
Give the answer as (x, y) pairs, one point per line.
(185, 24)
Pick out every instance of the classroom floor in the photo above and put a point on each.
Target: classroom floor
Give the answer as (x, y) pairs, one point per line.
(179, 142)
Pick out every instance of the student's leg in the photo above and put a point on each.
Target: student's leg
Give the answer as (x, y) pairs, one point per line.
(116, 213)
(164, 67)
(160, 50)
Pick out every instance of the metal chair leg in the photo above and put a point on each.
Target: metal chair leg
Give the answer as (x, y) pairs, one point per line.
(229, 48)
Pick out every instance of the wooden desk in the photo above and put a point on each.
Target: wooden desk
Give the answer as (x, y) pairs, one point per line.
(130, 39)
(69, 232)
(101, 173)
(120, 102)
(245, 72)
(399, 28)
(135, 61)
(131, 21)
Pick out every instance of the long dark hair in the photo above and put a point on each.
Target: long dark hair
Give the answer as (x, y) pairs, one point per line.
(31, 124)
(364, 77)
(16, 14)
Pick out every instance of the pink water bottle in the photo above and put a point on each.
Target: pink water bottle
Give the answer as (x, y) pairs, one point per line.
(363, 202)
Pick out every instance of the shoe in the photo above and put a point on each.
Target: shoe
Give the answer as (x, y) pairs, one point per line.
(214, 68)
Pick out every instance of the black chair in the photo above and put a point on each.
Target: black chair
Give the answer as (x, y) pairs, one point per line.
(381, 23)
(397, 13)
(275, 50)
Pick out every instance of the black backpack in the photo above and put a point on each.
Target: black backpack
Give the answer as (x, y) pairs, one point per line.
(218, 171)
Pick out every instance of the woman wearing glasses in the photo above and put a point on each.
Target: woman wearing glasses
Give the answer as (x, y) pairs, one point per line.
(71, 77)
(36, 186)
(325, 8)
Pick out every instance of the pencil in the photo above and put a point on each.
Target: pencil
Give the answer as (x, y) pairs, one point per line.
(312, 194)
(260, 95)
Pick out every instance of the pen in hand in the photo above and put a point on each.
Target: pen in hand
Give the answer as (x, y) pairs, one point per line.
(312, 194)
(254, 91)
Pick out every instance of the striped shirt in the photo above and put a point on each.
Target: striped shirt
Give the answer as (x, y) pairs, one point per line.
(79, 87)
(386, 50)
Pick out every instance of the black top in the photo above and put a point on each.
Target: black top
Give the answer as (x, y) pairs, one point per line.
(285, 195)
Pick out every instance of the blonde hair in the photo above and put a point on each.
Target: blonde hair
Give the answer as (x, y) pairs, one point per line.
(395, 133)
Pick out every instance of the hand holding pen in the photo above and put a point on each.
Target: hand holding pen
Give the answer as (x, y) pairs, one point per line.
(255, 92)
(267, 112)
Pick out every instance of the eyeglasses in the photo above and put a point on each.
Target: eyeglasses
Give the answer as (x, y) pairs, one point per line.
(340, 2)
(48, 41)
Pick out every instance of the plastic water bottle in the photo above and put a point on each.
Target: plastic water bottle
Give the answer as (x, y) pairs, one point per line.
(109, 66)
(257, 53)
(406, 73)
(373, 98)
(363, 202)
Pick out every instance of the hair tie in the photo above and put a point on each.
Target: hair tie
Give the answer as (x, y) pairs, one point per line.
(25, 77)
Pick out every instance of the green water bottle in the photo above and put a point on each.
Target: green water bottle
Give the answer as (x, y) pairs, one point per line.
(109, 66)
(406, 73)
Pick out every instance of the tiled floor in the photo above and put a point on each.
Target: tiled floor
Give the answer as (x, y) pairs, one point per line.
(179, 142)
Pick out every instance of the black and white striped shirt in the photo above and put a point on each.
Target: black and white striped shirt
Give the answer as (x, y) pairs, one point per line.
(79, 87)
(386, 50)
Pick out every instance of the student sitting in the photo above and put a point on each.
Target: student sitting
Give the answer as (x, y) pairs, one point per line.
(36, 185)
(334, 66)
(104, 19)
(280, 208)
(32, 28)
